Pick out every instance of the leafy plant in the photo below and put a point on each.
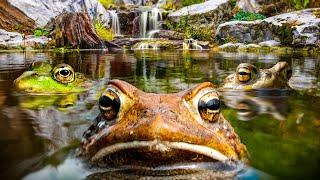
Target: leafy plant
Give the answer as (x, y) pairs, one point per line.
(194, 32)
(103, 32)
(299, 4)
(247, 16)
(40, 32)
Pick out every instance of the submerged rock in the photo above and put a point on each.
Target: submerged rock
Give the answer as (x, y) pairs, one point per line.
(42, 11)
(299, 28)
(210, 13)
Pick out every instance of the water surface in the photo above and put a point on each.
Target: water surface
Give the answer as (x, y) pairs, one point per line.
(281, 129)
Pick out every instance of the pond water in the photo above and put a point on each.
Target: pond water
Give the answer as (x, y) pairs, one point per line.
(281, 129)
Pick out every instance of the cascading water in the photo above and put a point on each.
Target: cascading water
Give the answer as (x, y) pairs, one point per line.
(143, 23)
(149, 21)
(115, 25)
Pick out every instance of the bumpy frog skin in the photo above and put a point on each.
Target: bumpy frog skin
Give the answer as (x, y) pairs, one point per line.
(135, 128)
(247, 77)
(41, 78)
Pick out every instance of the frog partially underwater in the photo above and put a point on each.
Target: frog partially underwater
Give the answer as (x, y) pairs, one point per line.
(138, 130)
(41, 78)
(247, 77)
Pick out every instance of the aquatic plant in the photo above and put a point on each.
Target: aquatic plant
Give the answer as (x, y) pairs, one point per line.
(247, 16)
(103, 32)
(40, 32)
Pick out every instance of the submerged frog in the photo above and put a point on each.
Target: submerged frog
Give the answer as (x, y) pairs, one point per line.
(145, 130)
(43, 79)
(248, 77)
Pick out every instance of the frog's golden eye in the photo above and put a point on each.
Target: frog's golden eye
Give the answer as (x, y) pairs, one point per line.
(209, 107)
(244, 74)
(63, 73)
(109, 104)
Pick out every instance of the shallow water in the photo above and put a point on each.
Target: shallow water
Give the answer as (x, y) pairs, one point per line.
(281, 129)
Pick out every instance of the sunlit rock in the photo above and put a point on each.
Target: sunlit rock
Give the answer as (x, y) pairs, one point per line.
(299, 28)
(14, 40)
(210, 13)
(42, 11)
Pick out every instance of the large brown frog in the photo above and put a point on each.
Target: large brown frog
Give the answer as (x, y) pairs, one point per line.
(138, 129)
(248, 77)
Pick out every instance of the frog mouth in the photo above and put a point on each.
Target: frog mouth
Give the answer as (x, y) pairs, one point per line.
(155, 153)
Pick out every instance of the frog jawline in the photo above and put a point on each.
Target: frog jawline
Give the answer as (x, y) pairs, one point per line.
(162, 146)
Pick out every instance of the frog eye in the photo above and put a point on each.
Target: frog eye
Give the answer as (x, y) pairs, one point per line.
(209, 107)
(63, 73)
(109, 104)
(244, 75)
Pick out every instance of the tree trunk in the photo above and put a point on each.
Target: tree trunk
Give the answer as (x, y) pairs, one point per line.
(12, 19)
(75, 30)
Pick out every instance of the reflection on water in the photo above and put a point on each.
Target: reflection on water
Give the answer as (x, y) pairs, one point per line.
(281, 129)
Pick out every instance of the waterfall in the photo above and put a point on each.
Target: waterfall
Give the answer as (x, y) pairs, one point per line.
(143, 24)
(154, 18)
(115, 25)
(149, 21)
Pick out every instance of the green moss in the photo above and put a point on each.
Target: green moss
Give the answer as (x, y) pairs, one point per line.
(247, 16)
(103, 32)
(190, 2)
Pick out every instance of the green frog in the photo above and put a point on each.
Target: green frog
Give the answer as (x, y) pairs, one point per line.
(41, 78)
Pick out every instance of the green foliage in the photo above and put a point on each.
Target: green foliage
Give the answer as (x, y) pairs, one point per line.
(299, 4)
(190, 2)
(247, 16)
(107, 3)
(40, 32)
(194, 32)
(103, 32)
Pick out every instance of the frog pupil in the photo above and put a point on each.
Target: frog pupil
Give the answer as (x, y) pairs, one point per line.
(212, 104)
(64, 72)
(243, 73)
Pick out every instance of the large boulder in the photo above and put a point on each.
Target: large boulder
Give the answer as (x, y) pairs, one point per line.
(12, 19)
(14, 40)
(297, 28)
(211, 13)
(43, 11)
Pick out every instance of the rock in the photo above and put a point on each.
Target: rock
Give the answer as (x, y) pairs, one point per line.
(75, 30)
(211, 13)
(12, 19)
(126, 20)
(42, 11)
(299, 28)
(244, 32)
(14, 40)
(167, 34)
(271, 43)
(248, 5)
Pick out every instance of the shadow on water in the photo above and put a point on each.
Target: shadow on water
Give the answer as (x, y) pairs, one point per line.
(281, 130)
